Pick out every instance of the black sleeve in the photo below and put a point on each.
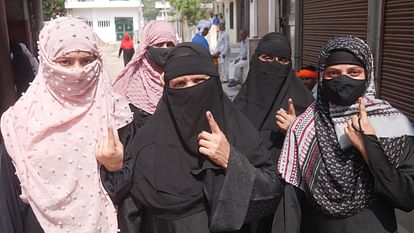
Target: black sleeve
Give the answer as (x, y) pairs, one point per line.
(130, 216)
(119, 52)
(16, 216)
(394, 184)
(248, 194)
(117, 184)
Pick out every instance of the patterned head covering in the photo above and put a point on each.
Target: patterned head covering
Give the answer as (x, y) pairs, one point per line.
(140, 81)
(51, 133)
(318, 158)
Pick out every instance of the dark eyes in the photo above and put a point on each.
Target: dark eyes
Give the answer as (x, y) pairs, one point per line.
(353, 72)
(69, 61)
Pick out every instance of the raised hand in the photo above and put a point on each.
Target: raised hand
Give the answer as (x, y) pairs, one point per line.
(214, 145)
(285, 119)
(357, 126)
(109, 151)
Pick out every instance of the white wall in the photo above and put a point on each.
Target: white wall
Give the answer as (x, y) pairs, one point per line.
(107, 34)
(232, 32)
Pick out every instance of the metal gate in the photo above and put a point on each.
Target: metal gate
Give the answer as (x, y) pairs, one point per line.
(322, 20)
(397, 77)
(123, 25)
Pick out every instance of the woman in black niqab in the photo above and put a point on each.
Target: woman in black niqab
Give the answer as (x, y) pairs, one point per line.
(181, 190)
(268, 87)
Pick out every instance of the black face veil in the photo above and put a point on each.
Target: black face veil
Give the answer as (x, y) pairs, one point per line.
(188, 106)
(170, 173)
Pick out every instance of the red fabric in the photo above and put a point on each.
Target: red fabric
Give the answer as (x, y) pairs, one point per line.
(127, 43)
(306, 74)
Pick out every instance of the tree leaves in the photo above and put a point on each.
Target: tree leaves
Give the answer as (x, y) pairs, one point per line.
(189, 10)
(53, 8)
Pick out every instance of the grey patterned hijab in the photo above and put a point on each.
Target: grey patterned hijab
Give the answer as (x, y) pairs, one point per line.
(317, 156)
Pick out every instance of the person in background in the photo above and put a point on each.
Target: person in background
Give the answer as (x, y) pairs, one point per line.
(223, 47)
(309, 77)
(241, 62)
(25, 66)
(211, 18)
(349, 158)
(216, 20)
(198, 160)
(127, 48)
(140, 82)
(203, 28)
(58, 134)
(270, 86)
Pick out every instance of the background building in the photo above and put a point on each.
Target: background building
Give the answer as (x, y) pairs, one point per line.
(110, 18)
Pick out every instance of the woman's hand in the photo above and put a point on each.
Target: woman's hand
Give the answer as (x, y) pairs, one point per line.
(214, 145)
(357, 126)
(109, 151)
(285, 119)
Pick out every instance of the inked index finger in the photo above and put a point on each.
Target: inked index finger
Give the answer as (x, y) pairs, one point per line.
(291, 107)
(111, 137)
(362, 110)
(213, 124)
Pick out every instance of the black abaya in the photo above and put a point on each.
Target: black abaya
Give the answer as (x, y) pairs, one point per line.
(394, 188)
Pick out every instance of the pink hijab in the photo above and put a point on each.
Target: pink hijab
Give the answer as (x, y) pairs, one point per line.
(51, 132)
(139, 82)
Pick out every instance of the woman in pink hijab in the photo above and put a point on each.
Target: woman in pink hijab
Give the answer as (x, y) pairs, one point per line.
(140, 81)
(56, 137)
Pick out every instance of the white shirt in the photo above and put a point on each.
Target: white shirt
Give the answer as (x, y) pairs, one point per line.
(244, 46)
(223, 43)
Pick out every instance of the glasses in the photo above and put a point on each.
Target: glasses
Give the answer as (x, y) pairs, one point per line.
(280, 60)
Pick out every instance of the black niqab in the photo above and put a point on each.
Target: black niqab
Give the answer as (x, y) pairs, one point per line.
(170, 174)
(267, 89)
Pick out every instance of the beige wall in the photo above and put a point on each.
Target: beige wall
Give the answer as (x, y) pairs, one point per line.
(262, 17)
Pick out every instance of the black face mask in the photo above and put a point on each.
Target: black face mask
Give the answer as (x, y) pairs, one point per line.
(157, 55)
(343, 90)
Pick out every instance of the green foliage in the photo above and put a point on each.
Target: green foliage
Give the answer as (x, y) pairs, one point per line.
(189, 10)
(52, 8)
(150, 13)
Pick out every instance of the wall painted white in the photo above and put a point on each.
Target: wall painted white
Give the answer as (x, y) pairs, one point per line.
(253, 18)
(101, 10)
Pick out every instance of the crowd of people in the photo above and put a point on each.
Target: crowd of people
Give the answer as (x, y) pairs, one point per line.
(162, 149)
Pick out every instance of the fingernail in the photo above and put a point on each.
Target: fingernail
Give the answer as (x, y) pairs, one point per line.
(208, 114)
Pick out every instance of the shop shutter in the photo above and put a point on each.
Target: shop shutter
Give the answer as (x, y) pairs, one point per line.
(322, 20)
(397, 53)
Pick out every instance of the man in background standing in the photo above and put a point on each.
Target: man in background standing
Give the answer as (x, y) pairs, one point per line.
(203, 28)
(223, 47)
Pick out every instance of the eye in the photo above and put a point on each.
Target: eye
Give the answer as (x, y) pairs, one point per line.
(177, 85)
(332, 73)
(64, 61)
(283, 61)
(87, 60)
(356, 72)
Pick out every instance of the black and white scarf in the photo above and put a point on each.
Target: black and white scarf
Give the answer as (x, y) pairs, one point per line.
(317, 156)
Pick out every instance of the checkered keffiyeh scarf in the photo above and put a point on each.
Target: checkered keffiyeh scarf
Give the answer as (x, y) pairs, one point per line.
(318, 158)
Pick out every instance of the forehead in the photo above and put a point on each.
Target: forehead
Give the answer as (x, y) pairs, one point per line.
(77, 54)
